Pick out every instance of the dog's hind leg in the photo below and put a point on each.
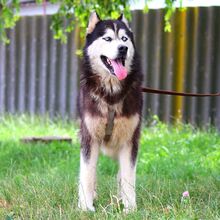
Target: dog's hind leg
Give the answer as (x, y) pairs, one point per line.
(87, 181)
(127, 178)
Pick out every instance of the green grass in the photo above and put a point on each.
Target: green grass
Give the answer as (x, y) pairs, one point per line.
(39, 181)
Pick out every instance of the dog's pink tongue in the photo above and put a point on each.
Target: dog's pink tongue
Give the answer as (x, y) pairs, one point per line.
(119, 70)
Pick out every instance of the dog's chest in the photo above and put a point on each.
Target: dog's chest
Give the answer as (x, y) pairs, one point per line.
(122, 131)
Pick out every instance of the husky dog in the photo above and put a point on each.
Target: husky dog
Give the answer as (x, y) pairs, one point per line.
(110, 103)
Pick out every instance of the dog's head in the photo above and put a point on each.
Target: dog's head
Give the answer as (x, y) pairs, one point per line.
(109, 47)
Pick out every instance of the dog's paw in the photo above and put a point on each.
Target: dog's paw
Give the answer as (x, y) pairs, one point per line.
(130, 209)
(85, 207)
(91, 209)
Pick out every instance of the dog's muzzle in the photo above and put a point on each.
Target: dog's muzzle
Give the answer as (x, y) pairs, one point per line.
(117, 66)
(122, 51)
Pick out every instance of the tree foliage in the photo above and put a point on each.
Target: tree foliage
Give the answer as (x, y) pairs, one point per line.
(9, 15)
(76, 12)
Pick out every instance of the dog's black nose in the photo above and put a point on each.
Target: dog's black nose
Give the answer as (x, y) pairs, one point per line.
(123, 50)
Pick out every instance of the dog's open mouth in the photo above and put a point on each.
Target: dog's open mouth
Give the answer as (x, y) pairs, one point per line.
(116, 67)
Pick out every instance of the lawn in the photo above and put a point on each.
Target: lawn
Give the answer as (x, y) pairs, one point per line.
(39, 181)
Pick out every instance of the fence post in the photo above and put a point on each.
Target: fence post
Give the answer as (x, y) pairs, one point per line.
(179, 65)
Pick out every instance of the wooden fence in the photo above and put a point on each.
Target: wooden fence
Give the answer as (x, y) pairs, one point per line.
(38, 75)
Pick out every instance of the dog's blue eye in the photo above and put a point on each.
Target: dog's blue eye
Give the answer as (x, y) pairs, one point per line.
(107, 39)
(124, 38)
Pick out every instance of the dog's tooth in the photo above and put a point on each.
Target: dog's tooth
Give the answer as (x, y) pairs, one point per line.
(109, 62)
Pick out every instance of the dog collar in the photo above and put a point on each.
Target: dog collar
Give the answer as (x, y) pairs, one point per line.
(109, 125)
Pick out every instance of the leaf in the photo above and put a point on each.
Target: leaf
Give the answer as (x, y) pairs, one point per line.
(79, 52)
(81, 10)
(146, 9)
(167, 27)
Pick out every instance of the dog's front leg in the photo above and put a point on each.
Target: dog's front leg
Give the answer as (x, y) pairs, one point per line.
(87, 177)
(126, 178)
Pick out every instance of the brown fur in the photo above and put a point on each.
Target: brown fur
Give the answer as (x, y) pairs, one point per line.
(100, 93)
(94, 103)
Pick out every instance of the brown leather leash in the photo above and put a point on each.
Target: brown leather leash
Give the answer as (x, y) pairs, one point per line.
(169, 92)
(111, 112)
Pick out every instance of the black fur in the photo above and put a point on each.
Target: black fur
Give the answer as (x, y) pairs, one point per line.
(89, 82)
(101, 27)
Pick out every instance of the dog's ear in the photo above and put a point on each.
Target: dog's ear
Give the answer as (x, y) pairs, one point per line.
(93, 20)
(123, 19)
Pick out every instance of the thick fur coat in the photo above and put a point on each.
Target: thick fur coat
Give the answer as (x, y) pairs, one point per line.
(110, 81)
